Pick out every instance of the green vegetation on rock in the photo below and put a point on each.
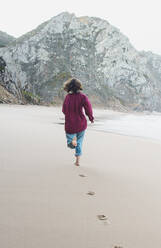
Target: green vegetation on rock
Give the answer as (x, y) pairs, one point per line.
(30, 97)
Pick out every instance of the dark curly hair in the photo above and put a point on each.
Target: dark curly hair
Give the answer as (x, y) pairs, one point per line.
(73, 85)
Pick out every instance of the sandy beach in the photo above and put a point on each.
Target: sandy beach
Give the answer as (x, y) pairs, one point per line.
(43, 195)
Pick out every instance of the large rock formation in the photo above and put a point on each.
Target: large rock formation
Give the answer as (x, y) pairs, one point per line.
(7, 82)
(89, 48)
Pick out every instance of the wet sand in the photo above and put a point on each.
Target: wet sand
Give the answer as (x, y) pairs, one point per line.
(43, 195)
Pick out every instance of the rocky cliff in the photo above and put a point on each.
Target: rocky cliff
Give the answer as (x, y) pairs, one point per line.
(6, 97)
(113, 72)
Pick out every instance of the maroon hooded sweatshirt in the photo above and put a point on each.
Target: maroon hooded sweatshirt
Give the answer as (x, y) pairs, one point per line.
(75, 120)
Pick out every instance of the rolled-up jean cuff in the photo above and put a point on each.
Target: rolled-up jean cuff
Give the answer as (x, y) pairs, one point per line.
(77, 155)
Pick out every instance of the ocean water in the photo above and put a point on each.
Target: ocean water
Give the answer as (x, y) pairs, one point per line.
(138, 125)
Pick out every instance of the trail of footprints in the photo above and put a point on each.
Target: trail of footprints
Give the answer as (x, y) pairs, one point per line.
(101, 217)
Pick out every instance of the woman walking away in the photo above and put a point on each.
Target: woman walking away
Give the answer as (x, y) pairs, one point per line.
(75, 120)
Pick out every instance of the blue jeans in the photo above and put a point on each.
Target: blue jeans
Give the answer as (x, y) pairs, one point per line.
(79, 136)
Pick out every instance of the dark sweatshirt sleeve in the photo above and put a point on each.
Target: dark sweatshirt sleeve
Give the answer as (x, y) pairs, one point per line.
(88, 108)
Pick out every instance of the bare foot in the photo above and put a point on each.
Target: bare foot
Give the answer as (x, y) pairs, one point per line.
(77, 164)
(74, 141)
(77, 161)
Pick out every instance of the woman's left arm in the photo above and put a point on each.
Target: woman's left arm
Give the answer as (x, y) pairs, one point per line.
(88, 108)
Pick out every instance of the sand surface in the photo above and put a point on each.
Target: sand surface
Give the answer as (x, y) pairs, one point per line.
(44, 201)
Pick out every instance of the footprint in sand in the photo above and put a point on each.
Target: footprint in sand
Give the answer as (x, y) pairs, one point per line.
(102, 217)
(91, 193)
(118, 247)
(82, 175)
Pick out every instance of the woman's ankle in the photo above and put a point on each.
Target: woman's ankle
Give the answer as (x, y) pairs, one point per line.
(77, 159)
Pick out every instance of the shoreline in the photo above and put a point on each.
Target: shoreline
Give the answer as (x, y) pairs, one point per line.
(104, 115)
(128, 135)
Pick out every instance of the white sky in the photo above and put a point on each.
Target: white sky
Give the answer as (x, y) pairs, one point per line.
(138, 19)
